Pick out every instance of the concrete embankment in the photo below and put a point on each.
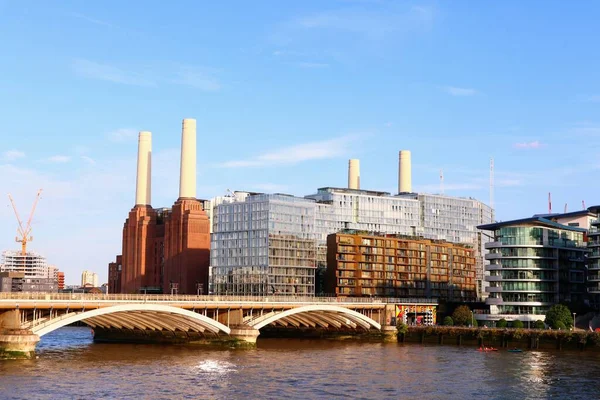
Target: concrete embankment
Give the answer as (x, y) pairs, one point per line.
(502, 338)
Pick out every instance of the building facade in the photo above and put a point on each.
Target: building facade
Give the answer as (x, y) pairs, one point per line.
(534, 264)
(594, 261)
(399, 266)
(263, 245)
(250, 221)
(114, 275)
(89, 278)
(31, 264)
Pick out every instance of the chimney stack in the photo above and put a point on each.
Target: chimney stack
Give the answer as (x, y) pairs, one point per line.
(187, 173)
(404, 172)
(144, 170)
(354, 174)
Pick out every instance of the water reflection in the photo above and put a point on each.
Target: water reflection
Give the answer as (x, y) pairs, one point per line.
(71, 365)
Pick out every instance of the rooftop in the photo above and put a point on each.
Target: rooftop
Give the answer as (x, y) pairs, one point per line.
(535, 220)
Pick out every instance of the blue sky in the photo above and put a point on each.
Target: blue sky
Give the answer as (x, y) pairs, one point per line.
(284, 93)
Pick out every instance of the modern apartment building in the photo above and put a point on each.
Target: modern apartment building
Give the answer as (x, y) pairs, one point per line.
(265, 244)
(399, 266)
(594, 259)
(31, 264)
(534, 264)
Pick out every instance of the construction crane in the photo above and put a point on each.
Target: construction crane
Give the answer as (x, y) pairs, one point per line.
(583, 204)
(24, 232)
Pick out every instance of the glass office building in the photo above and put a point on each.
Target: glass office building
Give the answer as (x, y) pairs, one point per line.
(534, 264)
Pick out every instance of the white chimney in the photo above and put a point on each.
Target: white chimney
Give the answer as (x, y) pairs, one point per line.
(144, 170)
(404, 172)
(354, 174)
(187, 173)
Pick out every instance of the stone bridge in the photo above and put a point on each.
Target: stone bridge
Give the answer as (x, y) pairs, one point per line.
(25, 317)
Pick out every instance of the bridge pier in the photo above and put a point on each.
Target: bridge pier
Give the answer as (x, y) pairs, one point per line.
(390, 333)
(244, 334)
(15, 343)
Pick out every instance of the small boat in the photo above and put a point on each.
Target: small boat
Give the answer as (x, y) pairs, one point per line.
(487, 349)
(515, 350)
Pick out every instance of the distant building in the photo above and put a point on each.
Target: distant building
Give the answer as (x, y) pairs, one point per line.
(31, 264)
(363, 264)
(89, 278)
(18, 282)
(534, 264)
(114, 275)
(61, 280)
(594, 259)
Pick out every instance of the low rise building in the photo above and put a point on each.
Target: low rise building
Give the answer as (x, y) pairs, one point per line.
(114, 275)
(366, 264)
(534, 264)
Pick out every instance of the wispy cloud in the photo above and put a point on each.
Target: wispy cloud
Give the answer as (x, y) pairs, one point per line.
(388, 124)
(372, 24)
(312, 65)
(325, 149)
(592, 99)
(88, 160)
(458, 91)
(90, 19)
(12, 155)
(106, 72)
(528, 145)
(122, 134)
(199, 78)
(59, 159)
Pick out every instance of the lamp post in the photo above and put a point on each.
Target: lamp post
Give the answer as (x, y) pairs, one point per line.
(574, 314)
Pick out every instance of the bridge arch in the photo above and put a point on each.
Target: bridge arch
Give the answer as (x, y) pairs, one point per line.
(142, 315)
(323, 315)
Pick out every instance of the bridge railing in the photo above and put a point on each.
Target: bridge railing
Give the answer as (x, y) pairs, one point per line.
(210, 298)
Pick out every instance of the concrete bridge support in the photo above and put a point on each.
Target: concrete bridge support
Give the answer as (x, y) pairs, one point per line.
(15, 343)
(244, 334)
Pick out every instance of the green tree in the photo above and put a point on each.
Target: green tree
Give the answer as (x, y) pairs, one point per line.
(559, 313)
(501, 323)
(517, 324)
(448, 321)
(462, 316)
(560, 325)
(539, 324)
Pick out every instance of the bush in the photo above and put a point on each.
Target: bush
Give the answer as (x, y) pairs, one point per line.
(539, 324)
(501, 323)
(559, 313)
(517, 324)
(448, 321)
(402, 328)
(560, 325)
(462, 316)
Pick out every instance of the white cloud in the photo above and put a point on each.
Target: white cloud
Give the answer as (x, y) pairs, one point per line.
(123, 134)
(90, 19)
(59, 159)
(88, 160)
(12, 155)
(199, 78)
(111, 73)
(312, 65)
(388, 124)
(458, 91)
(593, 99)
(320, 150)
(528, 145)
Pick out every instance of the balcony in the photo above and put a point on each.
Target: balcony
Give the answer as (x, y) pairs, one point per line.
(491, 289)
(492, 245)
(493, 256)
(493, 301)
(493, 278)
(493, 267)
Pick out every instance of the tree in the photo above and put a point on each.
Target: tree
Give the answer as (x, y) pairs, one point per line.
(539, 324)
(501, 323)
(517, 324)
(448, 321)
(462, 316)
(560, 325)
(559, 313)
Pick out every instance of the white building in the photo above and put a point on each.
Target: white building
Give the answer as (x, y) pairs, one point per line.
(31, 264)
(89, 278)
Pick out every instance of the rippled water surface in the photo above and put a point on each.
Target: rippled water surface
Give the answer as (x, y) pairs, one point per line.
(70, 365)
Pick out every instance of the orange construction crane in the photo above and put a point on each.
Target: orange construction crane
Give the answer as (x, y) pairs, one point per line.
(24, 233)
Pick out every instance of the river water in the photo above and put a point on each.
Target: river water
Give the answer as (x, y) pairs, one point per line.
(70, 365)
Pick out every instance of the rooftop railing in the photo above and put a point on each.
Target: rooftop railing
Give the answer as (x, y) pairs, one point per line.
(209, 298)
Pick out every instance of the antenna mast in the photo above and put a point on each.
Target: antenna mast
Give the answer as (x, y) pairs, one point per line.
(549, 203)
(492, 186)
(441, 181)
